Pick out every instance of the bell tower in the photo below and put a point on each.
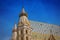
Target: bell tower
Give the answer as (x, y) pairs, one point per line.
(23, 29)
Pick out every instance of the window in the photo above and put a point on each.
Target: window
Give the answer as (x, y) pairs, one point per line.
(26, 38)
(21, 38)
(26, 31)
(21, 31)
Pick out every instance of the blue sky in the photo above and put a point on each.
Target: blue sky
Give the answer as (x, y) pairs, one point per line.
(39, 10)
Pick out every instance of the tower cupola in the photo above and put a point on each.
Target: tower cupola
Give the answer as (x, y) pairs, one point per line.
(23, 13)
(23, 20)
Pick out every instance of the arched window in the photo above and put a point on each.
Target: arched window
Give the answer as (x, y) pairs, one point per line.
(26, 31)
(21, 31)
(26, 38)
(21, 38)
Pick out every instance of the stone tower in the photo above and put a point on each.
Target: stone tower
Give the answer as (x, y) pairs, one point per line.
(14, 33)
(23, 27)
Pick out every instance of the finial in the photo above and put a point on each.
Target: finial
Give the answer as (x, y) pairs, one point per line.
(22, 3)
(23, 11)
(15, 26)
